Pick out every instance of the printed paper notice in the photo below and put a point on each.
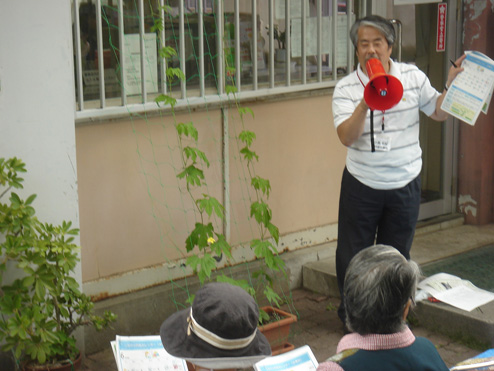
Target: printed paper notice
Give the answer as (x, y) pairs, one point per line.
(455, 291)
(300, 359)
(132, 57)
(471, 90)
(144, 353)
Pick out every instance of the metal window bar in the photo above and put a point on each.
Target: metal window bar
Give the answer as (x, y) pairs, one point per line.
(254, 44)
(219, 43)
(238, 70)
(163, 64)
(181, 39)
(334, 44)
(200, 9)
(121, 46)
(397, 22)
(142, 47)
(78, 56)
(349, 50)
(288, 42)
(101, 59)
(304, 43)
(271, 44)
(319, 40)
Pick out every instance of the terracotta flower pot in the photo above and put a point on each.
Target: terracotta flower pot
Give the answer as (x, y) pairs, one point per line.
(59, 367)
(283, 348)
(277, 332)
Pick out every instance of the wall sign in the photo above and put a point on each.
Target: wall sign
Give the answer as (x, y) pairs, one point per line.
(441, 27)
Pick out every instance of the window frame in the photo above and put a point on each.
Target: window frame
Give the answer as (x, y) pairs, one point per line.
(99, 109)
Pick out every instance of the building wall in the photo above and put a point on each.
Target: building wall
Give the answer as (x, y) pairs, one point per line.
(37, 108)
(136, 215)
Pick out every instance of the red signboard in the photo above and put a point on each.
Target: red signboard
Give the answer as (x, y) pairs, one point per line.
(441, 27)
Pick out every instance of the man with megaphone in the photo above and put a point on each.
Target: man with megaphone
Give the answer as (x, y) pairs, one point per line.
(376, 115)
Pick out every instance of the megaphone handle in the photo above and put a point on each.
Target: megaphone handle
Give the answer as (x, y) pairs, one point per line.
(373, 147)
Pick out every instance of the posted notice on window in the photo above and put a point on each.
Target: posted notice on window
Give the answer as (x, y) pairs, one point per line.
(132, 63)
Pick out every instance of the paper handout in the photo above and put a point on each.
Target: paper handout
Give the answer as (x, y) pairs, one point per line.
(300, 359)
(144, 353)
(455, 291)
(471, 91)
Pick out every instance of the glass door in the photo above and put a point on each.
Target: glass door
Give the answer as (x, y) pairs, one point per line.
(419, 46)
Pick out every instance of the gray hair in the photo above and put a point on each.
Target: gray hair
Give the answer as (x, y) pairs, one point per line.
(378, 284)
(379, 23)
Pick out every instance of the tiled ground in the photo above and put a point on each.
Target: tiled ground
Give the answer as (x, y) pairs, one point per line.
(319, 327)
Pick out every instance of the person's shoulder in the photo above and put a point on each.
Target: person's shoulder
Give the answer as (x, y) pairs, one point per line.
(409, 69)
(347, 85)
(348, 80)
(329, 366)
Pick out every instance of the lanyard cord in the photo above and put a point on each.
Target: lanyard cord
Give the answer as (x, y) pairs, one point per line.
(373, 147)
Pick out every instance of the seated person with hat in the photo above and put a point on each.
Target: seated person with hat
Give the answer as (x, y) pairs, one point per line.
(379, 288)
(219, 331)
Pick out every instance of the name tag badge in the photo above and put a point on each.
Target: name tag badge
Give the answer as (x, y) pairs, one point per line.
(382, 142)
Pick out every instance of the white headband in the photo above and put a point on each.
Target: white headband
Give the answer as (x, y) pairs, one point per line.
(216, 340)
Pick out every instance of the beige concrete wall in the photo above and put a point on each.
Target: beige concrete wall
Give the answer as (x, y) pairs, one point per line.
(135, 213)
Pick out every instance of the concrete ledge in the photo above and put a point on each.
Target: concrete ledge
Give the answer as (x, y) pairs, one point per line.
(317, 279)
(477, 325)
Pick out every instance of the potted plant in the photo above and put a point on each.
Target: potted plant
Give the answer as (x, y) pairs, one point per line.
(42, 305)
(280, 37)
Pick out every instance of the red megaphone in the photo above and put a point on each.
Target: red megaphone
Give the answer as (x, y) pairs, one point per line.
(382, 91)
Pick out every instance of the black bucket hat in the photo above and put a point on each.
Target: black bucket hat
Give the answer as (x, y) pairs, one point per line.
(219, 331)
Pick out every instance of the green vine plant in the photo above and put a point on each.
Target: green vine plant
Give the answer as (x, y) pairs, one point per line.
(264, 247)
(205, 243)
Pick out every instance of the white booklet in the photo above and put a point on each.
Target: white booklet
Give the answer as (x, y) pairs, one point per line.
(144, 353)
(455, 291)
(300, 359)
(471, 91)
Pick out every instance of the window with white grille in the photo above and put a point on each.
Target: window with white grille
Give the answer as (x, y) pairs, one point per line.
(262, 47)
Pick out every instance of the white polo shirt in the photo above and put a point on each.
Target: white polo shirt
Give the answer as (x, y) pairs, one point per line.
(396, 167)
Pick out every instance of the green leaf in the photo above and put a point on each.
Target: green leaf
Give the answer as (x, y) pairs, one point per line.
(199, 237)
(240, 283)
(30, 199)
(193, 153)
(261, 184)
(247, 137)
(274, 231)
(248, 154)
(203, 266)
(230, 89)
(192, 175)
(166, 8)
(158, 25)
(171, 73)
(261, 212)
(208, 204)
(167, 52)
(265, 250)
(188, 129)
(166, 100)
(221, 246)
(272, 296)
(243, 110)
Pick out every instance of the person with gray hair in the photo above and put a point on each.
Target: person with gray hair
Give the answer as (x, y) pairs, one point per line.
(380, 285)
(380, 188)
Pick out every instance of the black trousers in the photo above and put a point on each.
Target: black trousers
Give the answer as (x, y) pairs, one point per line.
(368, 216)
